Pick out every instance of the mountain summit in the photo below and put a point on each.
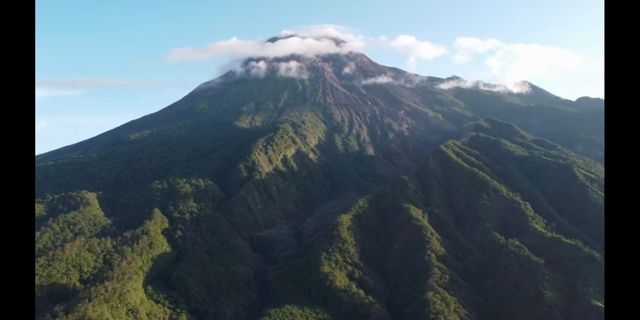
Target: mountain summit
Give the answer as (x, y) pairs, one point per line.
(323, 185)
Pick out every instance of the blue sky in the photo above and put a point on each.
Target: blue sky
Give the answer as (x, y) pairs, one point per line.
(100, 64)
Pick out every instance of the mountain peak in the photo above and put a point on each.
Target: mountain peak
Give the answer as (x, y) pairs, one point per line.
(337, 41)
(590, 102)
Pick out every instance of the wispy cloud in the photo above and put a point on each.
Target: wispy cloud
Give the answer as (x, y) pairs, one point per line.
(348, 69)
(516, 87)
(88, 83)
(512, 63)
(73, 86)
(517, 62)
(417, 49)
(233, 46)
(465, 47)
(410, 80)
(377, 80)
(292, 69)
(357, 42)
(43, 92)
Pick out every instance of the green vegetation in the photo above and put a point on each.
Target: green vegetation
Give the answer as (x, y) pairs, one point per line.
(290, 312)
(121, 294)
(101, 277)
(85, 221)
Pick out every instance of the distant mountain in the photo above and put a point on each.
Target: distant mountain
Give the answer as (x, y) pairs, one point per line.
(330, 187)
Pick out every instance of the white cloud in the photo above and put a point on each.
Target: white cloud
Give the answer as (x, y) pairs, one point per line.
(377, 80)
(477, 45)
(517, 62)
(466, 46)
(499, 62)
(263, 67)
(308, 41)
(257, 69)
(409, 80)
(348, 69)
(355, 42)
(303, 46)
(516, 87)
(456, 83)
(417, 49)
(233, 46)
(292, 69)
(511, 63)
(519, 87)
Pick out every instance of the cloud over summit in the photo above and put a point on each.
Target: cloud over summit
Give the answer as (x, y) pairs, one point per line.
(310, 41)
(489, 59)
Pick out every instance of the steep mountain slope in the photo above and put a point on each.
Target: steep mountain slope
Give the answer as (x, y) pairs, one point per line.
(460, 238)
(576, 125)
(329, 187)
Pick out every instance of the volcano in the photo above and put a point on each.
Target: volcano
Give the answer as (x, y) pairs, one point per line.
(328, 186)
